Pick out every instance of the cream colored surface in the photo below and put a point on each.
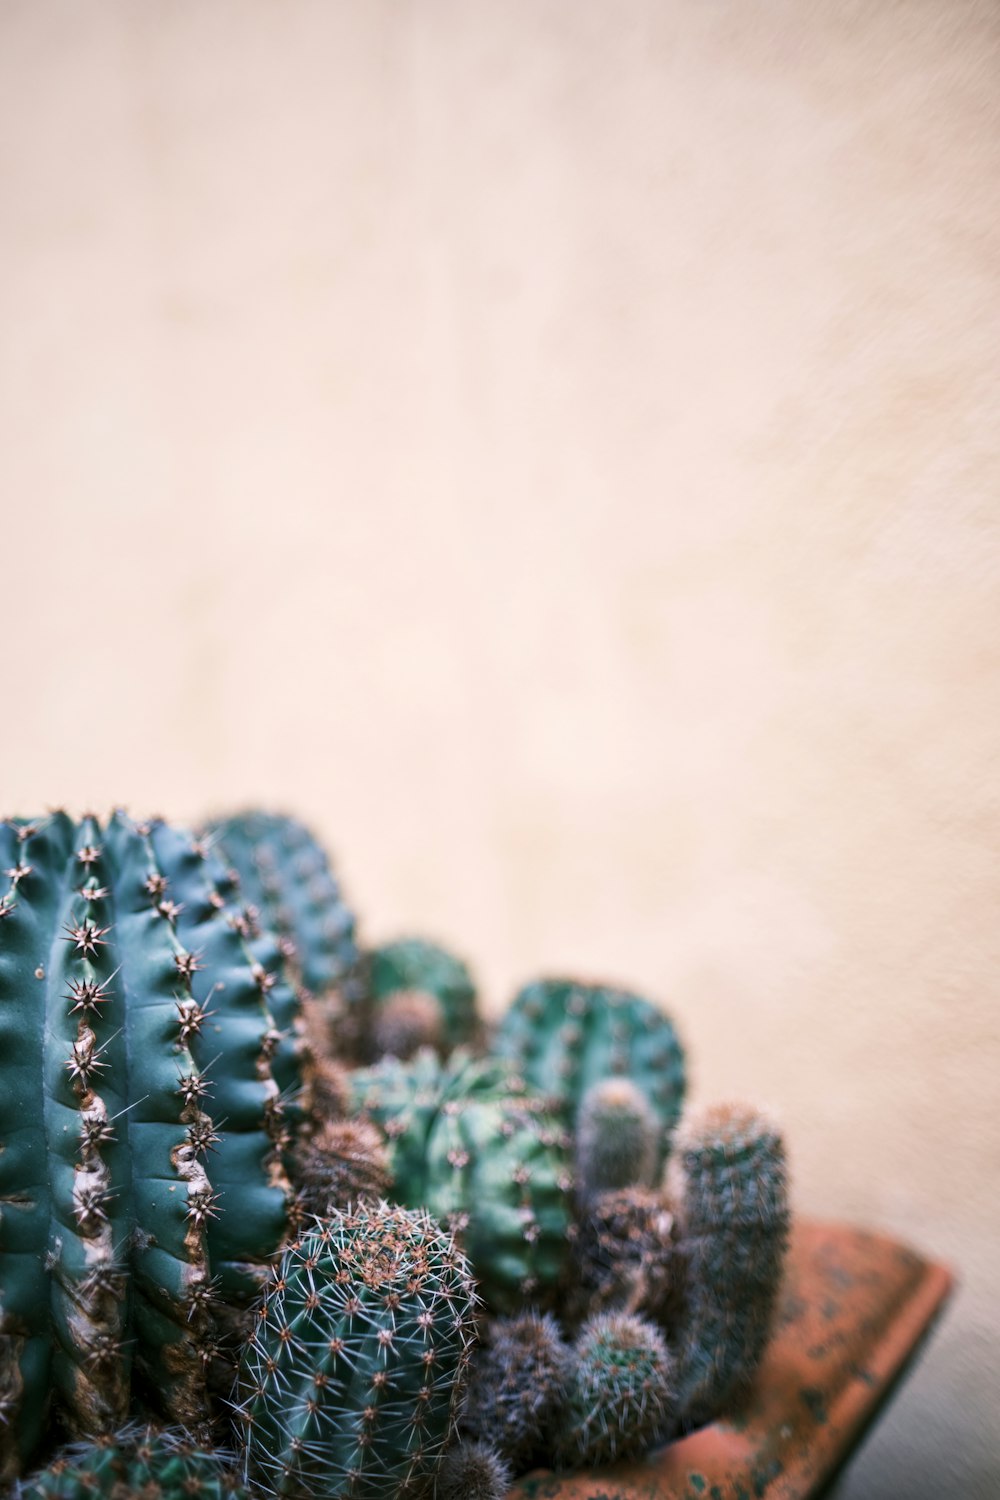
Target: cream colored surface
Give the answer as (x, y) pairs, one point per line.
(553, 447)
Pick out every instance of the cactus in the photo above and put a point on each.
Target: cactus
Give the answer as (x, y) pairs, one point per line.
(472, 1471)
(625, 1259)
(486, 1161)
(517, 1383)
(343, 1162)
(139, 1461)
(564, 1037)
(621, 1397)
(413, 965)
(351, 1381)
(729, 1182)
(404, 1022)
(617, 1138)
(285, 874)
(144, 1135)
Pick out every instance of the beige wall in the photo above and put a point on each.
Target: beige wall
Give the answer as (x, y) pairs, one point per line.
(553, 447)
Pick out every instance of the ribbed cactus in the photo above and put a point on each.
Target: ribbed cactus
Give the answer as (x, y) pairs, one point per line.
(517, 1383)
(621, 1397)
(144, 1135)
(414, 966)
(351, 1382)
(137, 1462)
(617, 1138)
(285, 874)
(564, 1037)
(488, 1163)
(729, 1182)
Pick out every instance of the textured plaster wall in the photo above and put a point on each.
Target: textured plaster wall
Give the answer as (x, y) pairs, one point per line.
(553, 446)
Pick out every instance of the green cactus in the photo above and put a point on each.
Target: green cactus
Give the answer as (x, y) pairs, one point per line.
(350, 1384)
(617, 1138)
(517, 1383)
(139, 1461)
(564, 1037)
(729, 1183)
(142, 1175)
(621, 1397)
(484, 1158)
(415, 966)
(285, 874)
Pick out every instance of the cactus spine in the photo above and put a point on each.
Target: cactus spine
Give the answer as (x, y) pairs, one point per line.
(729, 1182)
(565, 1037)
(142, 1174)
(351, 1381)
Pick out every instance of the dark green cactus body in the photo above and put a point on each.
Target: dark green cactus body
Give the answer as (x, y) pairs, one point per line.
(141, 1166)
(351, 1381)
(286, 875)
(413, 964)
(621, 1396)
(564, 1037)
(140, 1462)
(486, 1159)
(517, 1383)
(729, 1182)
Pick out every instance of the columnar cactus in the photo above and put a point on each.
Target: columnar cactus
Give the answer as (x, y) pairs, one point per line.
(729, 1183)
(488, 1163)
(621, 1397)
(139, 1461)
(351, 1382)
(144, 1135)
(617, 1138)
(517, 1383)
(416, 966)
(564, 1037)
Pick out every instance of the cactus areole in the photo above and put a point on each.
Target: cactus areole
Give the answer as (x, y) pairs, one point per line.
(143, 1132)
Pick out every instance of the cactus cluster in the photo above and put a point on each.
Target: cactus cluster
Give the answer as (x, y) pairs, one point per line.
(417, 1276)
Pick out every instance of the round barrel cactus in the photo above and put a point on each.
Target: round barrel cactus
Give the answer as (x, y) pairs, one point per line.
(139, 1461)
(143, 1130)
(351, 1383)
(564, 1037)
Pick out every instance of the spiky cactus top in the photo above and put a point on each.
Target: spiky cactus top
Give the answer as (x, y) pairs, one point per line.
(414, 966)
(490, 1163)
(351, 1382)
(286, 875)
(139, 1461)
(621, 1396)
(517, 1383)
(729, 1183)
(564, 1037)
(143, 1132)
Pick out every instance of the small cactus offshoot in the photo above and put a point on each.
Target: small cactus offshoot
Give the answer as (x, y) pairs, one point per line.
(517, 1382)
(472, 1471)
(342, 1163)
(406, 1021)
(625, 1259)
(350, 1383)
(622, 1393)
(730, 1185)
(617, 1138)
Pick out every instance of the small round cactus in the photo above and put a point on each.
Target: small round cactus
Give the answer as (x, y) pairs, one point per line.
(517, 1382)
(729, 1183)
(622, 1393)
(405, 1021)
(617, 1137)
(416, 965)
(351, 1381)
(472, 1471)
(142, 1461)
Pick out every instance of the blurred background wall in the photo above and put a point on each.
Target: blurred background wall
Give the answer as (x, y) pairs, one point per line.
(553, 448)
